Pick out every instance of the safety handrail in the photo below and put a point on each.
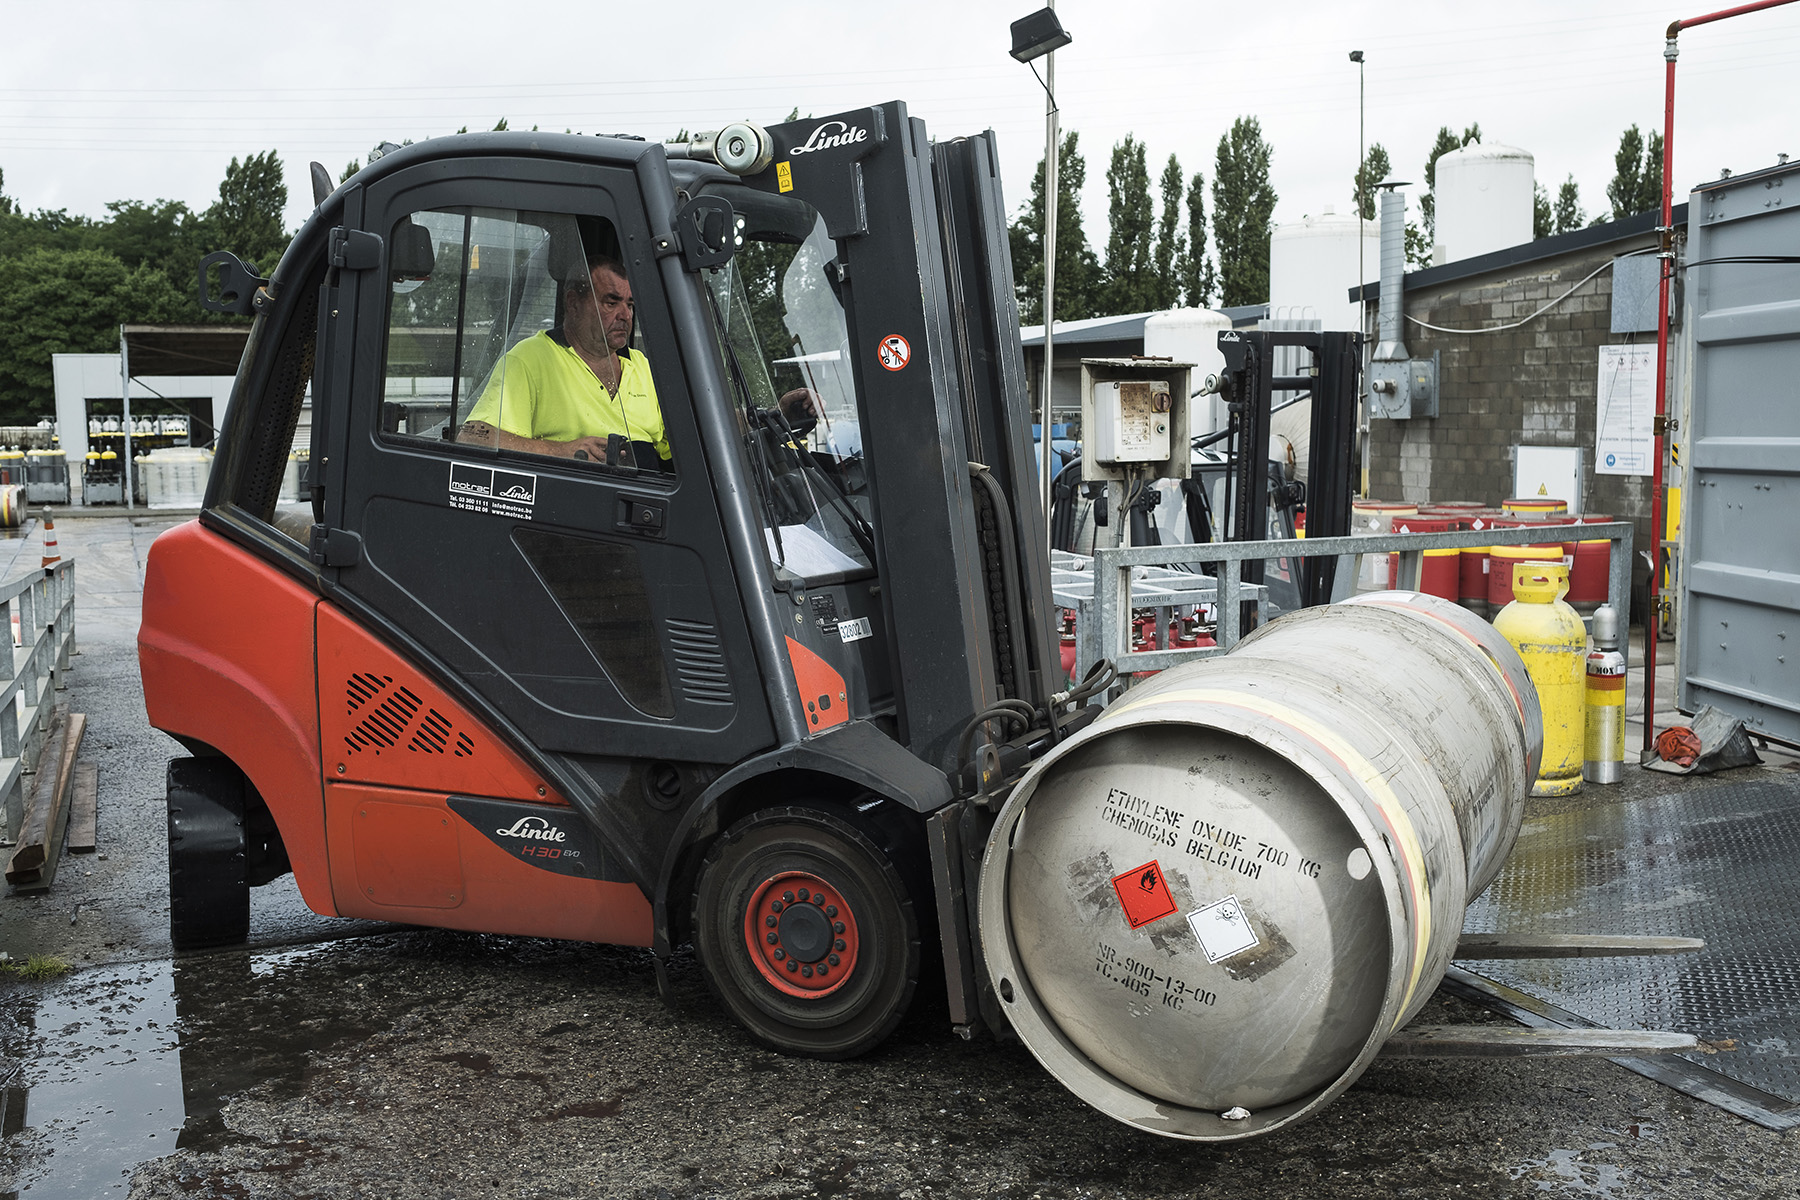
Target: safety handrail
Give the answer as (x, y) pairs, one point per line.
(1112, 570)
(42, 602)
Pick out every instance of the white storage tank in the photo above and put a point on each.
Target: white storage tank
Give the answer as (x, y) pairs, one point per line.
(1484, 201)
(1191, 335)
(1313, 264)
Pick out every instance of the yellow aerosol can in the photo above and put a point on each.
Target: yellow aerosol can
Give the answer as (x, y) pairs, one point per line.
(1605, 753)
(1550, 637)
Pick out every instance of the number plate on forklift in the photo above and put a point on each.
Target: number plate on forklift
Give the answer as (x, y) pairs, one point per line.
(855, 629)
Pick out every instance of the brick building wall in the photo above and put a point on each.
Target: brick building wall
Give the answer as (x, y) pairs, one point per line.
(1531, 386)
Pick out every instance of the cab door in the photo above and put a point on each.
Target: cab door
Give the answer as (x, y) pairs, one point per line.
(590, 604)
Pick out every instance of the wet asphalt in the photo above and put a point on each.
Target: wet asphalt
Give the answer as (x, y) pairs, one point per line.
(349, 1059)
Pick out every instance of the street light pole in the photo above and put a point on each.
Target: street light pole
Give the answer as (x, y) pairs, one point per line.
(1038, 36)
(1051, 198)
(1362, 271)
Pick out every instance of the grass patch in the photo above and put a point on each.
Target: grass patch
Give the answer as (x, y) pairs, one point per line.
(37, 967)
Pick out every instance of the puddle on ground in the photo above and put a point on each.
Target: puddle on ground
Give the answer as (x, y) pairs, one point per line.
(124, 1064)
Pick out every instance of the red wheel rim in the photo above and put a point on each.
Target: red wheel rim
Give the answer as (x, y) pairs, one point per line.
(801, 935)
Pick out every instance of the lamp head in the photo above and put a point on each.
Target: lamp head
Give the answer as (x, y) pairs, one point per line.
(1037, 35)
(1356, 56)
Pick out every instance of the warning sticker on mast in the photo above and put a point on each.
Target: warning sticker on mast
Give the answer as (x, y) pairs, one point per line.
(1144, 894)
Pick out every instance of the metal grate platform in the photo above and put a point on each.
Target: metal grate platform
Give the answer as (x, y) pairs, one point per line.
(1719, 862)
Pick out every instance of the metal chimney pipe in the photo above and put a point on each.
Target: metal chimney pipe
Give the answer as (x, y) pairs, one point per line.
(1392, 347)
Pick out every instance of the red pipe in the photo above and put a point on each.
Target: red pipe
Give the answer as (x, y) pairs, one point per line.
(1652, 618)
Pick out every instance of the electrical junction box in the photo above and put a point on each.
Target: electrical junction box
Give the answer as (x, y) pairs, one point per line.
(1134, 418)
(1131, 420)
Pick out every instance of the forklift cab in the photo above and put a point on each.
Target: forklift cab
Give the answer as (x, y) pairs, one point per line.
(645, 700)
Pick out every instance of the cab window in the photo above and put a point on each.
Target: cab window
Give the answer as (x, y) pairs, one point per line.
(515, 332)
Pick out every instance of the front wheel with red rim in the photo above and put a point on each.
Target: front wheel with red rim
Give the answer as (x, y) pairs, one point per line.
(806, 933)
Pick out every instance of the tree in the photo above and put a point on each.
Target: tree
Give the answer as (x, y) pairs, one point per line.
(1637, 175)
(1375, 168)
(1077, 267)
(1446, 142)
(1130, 225)
(1569, 214)
(1199, 279)
(1171, 257)
(1243, 204)
(68, 302)
(7, 207)
(1541, 222)
(164, 234)
(246, 218)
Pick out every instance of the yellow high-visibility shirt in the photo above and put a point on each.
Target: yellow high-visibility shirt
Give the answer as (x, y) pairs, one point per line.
(544, 389)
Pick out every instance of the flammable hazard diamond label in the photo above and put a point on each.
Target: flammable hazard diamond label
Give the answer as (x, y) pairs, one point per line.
(1144, 894)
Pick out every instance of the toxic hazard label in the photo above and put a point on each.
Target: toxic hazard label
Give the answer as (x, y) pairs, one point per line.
(1144, 894)
(1223, 929)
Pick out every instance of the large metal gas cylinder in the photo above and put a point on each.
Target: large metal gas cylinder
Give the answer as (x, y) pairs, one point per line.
(1206, 912)
(1551, 638)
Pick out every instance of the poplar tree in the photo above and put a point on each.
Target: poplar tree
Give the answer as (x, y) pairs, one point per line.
(1637, 174)
(1199, 279)
(1243, 206)
(1171, 241)
(1077, 268)
(1131, 224)
(1569, 214)
(1375, 168)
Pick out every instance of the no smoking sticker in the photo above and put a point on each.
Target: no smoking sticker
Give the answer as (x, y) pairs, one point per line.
(1144, 894)
(895, 352)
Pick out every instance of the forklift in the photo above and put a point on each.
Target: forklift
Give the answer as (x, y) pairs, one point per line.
(762, 697)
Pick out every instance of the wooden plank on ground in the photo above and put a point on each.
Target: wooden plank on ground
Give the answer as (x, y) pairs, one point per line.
(33, 864)
(84, 808)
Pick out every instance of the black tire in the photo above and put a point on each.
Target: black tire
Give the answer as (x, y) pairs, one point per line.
(870, 994)
(209, 890)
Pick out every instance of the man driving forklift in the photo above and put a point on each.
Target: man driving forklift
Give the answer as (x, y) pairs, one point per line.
(570, 391)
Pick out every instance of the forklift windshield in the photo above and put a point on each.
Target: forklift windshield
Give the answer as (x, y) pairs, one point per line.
(784, 344)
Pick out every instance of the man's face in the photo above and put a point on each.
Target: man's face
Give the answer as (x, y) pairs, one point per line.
(606, 312)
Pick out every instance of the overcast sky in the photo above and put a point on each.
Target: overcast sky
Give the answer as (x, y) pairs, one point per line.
(141, 101)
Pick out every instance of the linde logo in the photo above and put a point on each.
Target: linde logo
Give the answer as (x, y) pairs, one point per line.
(832, 133)
(534, 828)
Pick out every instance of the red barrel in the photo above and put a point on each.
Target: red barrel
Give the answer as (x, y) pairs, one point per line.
(1472, 563)
(1437, 573)
(1590, 565)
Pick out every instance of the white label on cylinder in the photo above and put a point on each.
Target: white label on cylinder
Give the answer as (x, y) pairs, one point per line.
(1223, 929)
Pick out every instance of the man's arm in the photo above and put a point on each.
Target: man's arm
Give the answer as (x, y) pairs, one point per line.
(480, 433)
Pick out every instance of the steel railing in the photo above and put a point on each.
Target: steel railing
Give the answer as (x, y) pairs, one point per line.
(1123, 578)
(38, 608)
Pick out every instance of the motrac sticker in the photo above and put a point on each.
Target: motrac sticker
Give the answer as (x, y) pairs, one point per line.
(491, 490)
(894, 352)
(1144, 894)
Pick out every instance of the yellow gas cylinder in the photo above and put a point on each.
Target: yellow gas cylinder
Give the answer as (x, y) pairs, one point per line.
(1550, 637)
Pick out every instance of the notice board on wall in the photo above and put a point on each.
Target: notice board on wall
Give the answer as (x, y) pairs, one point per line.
(1625, 411)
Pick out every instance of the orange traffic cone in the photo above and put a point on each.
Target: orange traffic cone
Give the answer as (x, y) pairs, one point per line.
(52, 555)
